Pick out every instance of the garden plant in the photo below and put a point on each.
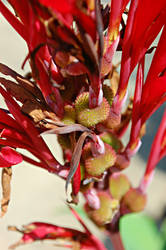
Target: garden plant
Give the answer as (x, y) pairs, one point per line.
(76, 91)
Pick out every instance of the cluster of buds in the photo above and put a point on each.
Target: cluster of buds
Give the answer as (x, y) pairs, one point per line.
(75, 91)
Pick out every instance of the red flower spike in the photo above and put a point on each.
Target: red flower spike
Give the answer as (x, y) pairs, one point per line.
(9, 157)
(68, 56)
(158, 150)
(139, 36)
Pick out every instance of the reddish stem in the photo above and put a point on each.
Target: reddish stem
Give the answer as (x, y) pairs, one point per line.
(116, 241)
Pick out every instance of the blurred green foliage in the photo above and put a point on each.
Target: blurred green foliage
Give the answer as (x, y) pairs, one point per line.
(140, 232)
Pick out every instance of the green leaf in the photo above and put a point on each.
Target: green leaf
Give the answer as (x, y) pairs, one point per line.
(140, 232)
(163, 229)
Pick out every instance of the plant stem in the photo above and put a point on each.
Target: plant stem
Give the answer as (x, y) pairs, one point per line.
(116, 241)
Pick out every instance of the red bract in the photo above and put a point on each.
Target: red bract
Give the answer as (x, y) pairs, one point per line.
(9, 157)
(65, 6)
(134, 142)
(151, 94)
(139, 36)
(158, 151)
(71, 10)
(77, 181)
(37, 231)
(117, 9)
(15, 23)
(21, 133)
(113, 36)
(156, 80)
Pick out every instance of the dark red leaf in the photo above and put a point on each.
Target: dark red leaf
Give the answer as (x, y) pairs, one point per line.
(76, 181)
(9, 157)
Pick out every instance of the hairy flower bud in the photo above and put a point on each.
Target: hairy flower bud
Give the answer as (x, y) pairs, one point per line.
(105, 213)
(95, 166)
(118, 185)
(90, 117)
(133, 201)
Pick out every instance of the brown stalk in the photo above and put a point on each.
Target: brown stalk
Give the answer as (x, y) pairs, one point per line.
(6, 189)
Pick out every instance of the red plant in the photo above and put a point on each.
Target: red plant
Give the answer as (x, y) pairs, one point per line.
(74, 239)
(75, 91)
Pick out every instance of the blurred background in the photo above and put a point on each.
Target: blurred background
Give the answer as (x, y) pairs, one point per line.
(39, 196)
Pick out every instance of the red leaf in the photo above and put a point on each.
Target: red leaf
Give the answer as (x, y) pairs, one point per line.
(63, 6)
(155, 154)
(14, 21)
(22, 9)
(117, 9)
(136, 120)
(87, 23)
(76, 181)
(33, 134)
(9, 157)
(159, 59)
(139, 35)
(43, 231)
(153, 95)
(9, 121)
(12, 133)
